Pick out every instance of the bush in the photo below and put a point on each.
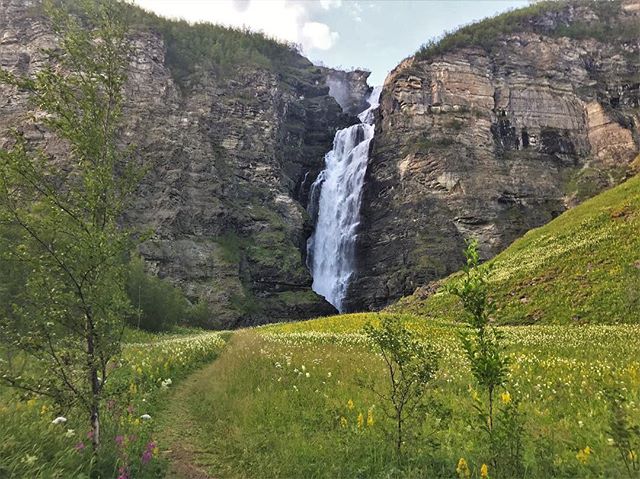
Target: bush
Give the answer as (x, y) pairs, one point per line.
(159, 305)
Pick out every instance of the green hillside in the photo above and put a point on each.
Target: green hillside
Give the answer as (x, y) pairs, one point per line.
(583, 267)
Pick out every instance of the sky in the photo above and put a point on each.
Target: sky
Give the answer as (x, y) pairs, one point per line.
(371, 34)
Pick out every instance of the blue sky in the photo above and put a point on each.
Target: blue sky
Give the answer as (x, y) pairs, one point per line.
(372, 34)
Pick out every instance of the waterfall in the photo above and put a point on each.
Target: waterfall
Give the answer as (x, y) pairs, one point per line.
(334, 201)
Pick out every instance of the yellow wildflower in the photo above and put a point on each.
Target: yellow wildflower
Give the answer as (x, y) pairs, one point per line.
(31, 402)
(350, 404)
(463, 469)
(133, 388)
(484, 471)
(360, 420)
(370, 417)
(136, 422)
(43, 410)
(506, 397)
(633, 457)
(343, 422)
(583, 454)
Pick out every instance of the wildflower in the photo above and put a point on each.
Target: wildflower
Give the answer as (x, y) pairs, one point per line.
(80, 446)
(69, 433)
(119, 440)
(145, 417)
(31, 402)
(303, 368)
(610, 441)
(29, 459)
(360, 421)
(633, 457)
(506, 397)
(308, 375)
(350, 404)
(370, 417)
(59, 420)
(463, 469)
(343, 422)
(43, 410)
(166, 383)
(583, 454)
(484, 471)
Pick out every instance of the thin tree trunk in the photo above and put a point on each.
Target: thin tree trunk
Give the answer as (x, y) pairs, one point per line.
(95, 387)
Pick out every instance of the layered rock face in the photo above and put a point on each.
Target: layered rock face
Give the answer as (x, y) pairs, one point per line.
(488, 143)
(230, 161)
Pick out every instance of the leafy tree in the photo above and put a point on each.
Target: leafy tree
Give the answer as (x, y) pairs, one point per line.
(485, 351)
(411, 366)
(159, 305)
(65, 213)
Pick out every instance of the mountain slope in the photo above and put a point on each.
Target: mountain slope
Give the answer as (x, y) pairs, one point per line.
(583, 267)
(495, 130)
(234, 127)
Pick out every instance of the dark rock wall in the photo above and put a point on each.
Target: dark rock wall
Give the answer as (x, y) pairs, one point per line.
(228, 157)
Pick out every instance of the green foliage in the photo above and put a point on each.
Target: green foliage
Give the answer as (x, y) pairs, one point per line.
(159, 305)
(487, 33)
(411, 366)
(624, 434)
(204, 47)
(485, 351)
(32, 446)
(70, 319)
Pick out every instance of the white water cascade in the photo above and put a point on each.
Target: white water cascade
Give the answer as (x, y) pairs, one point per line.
(336, 194)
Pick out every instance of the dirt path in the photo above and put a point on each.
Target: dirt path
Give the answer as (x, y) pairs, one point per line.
(179, 432)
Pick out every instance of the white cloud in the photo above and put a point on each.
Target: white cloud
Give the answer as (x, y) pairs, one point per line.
(318, 35)
(281, 19)
(329, 4)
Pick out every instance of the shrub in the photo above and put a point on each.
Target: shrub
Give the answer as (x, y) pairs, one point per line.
(411, 366)
(159, 305)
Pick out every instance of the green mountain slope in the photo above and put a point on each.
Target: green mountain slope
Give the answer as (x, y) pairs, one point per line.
(583, 267)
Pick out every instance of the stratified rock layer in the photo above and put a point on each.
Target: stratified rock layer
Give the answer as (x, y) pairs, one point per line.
(489, 143)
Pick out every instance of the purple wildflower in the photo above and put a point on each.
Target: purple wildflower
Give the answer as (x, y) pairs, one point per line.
(119, 440)
(146, 457)
(80, 446)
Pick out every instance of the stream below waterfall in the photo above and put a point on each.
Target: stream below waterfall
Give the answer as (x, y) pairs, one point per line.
(334, 199)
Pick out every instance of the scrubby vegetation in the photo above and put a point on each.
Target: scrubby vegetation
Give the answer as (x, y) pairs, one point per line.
(488, 33)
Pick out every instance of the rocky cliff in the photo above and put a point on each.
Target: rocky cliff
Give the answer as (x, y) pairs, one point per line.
(231, 157)
(495, 130)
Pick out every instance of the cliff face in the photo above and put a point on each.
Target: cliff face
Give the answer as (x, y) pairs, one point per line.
(489, 142)
(231, 157)
(350, 89)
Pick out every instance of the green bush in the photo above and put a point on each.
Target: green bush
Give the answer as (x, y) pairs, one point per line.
(159, 305)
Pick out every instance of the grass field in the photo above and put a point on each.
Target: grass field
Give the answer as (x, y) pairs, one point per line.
(31, 446)
(284, 401)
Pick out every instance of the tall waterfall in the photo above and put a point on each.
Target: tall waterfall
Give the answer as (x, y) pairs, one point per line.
(335, 199)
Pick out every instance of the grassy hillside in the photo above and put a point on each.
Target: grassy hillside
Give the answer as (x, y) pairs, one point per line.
(583, 267)
(605, 26)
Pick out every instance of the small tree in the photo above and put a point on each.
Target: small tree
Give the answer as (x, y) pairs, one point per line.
(65, 211)
(411, 366)
(485, 350)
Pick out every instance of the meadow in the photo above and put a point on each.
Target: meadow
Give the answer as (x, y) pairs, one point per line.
(36, 443)
(286, 401)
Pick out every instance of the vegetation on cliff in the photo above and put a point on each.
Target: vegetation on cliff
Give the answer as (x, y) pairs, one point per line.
(488, 33)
